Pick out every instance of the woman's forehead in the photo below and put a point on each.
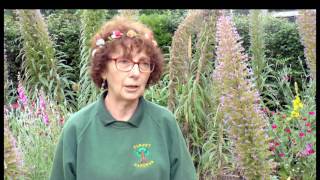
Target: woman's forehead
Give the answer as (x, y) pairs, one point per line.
(135, 54)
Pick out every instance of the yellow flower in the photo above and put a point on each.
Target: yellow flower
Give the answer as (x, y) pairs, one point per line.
(131, 33)
(295, 114)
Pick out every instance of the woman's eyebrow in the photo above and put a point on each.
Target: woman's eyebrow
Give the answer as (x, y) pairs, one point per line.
(144, 59)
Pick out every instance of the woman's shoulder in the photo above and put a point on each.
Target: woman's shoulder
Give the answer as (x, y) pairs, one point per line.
(159, 113)
(158, 109)
(80, 119)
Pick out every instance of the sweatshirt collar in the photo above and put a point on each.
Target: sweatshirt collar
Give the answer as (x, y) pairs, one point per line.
(106, 118)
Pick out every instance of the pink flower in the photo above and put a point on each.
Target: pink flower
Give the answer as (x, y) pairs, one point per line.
(22, 96)
(309, 130)
(301, 134)
(42, 103)
(312, 113)
(116, 34)
(304, 118)
(281, 154)
(274, 126)
(284, 116)
(276, 144)
(45, 119)
(308, 124)
(15, 105)
(308, 151)
(287, 130)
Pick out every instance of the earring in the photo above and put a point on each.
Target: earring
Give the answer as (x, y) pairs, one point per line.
(103, 84)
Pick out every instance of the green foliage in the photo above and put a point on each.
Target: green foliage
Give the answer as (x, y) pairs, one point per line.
(160, 25)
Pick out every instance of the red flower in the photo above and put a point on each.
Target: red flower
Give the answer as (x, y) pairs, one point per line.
(308, 124)
(287, 130)
(272, 148)
(61, 120)
(309, 130)
(116, 34)
(304, 118)
(274, 126)
(301, 134)
(276, 144)
(281, 154)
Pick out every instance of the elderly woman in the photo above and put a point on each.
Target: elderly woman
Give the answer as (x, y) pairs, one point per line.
(122, 136)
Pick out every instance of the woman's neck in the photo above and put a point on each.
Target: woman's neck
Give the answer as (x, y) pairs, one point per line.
(121, 110)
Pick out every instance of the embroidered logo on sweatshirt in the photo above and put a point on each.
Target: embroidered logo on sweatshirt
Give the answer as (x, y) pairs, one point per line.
(142, 152)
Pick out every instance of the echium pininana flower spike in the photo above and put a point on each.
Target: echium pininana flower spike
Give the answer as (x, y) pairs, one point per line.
(239, 101)
(307, 29)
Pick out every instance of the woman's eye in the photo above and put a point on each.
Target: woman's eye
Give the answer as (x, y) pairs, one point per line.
(124, 61)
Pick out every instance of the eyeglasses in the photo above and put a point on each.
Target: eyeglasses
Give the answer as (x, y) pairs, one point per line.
(126, 65)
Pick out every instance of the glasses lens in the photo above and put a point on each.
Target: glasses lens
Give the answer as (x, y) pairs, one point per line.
(127, 65)
(124, 64)
(145, 67)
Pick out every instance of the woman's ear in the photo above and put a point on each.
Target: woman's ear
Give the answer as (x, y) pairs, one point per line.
(104, 75)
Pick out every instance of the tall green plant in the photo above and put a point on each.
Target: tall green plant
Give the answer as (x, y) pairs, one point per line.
(91, 20)
(41, 67)
(240, 103)
(307, 30)
(13, 161)
(257, 46)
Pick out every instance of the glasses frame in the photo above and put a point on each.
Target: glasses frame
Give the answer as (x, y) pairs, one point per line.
(133, 63)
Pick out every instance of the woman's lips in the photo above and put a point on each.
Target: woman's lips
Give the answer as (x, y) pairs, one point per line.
(132, 87)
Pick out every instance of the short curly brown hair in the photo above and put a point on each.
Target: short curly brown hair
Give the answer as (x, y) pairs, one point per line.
(139, 43)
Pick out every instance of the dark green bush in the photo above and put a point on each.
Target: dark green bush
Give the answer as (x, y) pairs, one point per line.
(163, 23)
(63, 26)
(12, 44)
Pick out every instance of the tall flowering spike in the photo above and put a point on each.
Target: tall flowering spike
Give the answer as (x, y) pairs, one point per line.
(41, 67)
(257, 45)
(130, 13)
(180, 53)
(239, 100)
(13, 164)
(91, 20)
(307, 30)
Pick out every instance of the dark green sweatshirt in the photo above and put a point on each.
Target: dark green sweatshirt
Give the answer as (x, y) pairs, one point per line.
(95, 146)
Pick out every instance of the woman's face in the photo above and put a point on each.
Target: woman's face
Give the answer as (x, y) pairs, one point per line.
(127, 86)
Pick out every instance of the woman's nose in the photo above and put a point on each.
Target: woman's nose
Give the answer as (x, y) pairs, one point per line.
(135, 69)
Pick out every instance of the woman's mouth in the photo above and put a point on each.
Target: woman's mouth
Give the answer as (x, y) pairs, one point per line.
(131, 87)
